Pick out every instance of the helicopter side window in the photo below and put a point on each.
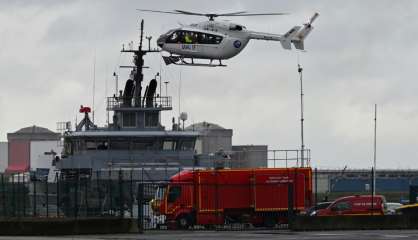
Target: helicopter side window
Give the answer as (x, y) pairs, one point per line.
(189, 37)
(174, 37)
(218, 39)
(236, 28)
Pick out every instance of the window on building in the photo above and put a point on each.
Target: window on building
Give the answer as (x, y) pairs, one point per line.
(129, 119)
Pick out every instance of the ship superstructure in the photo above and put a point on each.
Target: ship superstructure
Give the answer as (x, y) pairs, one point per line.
(135, 139)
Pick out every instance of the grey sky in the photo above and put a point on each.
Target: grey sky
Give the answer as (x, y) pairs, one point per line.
(359, 53)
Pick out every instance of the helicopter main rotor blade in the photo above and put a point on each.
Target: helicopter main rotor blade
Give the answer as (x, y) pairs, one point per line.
(157, 11)
(190, 13)
(211, 16)
(253, 14)
(232, 13)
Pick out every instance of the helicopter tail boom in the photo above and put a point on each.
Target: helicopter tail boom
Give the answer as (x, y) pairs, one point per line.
(285, 39)
(295, 35)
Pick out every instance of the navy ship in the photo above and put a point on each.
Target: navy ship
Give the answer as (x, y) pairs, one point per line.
(135, 139)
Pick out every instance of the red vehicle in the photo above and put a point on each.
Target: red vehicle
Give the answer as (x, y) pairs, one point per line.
(355, 205)
(257, 196)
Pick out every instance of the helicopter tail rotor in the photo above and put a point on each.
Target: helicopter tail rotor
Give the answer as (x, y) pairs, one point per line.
(298, 39)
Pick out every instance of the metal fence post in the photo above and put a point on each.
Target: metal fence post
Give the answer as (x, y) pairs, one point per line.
(373, 191)
(99, 192)
(13, 196)
(75, 195)
(290, 204)
(316, 186)
(24, 196)
(58, 194)
(121, 199)
(131, 195)
(110, 192)
(3, 195)
(34, 198)
(46, 196)
(86, 192)
(140, 199)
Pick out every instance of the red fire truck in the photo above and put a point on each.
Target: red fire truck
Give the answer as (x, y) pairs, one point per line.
(257, 196)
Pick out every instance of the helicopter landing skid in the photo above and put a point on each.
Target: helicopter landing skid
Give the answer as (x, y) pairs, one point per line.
(177, 60)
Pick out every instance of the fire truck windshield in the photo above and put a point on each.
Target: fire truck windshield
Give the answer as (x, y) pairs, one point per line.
(173, 193)
(159, 194)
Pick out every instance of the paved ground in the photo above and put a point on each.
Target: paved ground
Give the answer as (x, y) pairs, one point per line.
(209, 235)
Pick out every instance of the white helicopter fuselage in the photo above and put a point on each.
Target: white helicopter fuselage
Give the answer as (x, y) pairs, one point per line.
(221, 42)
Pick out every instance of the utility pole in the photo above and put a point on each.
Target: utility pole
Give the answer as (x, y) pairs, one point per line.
(374, 150)
(302, 147)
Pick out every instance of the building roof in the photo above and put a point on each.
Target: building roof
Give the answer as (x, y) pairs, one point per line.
(201, 126)
(33, 133)
(34, 130)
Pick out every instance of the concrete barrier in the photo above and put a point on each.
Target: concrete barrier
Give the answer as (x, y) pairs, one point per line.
(66, 226)
(307, 223)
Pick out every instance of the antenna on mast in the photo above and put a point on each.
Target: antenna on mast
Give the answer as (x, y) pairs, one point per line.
(94, 83)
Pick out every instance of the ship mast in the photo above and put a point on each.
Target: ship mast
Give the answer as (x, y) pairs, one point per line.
(138, 61)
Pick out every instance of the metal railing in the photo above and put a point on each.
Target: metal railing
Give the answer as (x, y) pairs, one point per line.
(139, 102)
(257, 158)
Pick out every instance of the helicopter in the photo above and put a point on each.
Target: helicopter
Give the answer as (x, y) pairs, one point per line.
(214, 40)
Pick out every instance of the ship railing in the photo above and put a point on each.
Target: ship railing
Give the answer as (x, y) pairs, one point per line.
(159, 102)
(257, 158)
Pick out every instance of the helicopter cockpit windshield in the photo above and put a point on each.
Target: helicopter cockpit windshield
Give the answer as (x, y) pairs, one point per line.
(191, 37)
(236, 27)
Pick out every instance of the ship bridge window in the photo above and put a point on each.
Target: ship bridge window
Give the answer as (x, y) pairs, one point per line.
(68, 147)
(103, 145)
(142, 145)
(169, 145)
(91, 145)
(129, 119)
(189, 37)
(119, 145)
(152, 119)
(187, 145)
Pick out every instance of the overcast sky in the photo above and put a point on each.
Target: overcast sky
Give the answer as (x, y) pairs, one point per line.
(360, 53)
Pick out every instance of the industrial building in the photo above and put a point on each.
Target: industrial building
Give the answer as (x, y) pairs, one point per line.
(31, 148)
(214, 139)
(4, 149)
(394, 184)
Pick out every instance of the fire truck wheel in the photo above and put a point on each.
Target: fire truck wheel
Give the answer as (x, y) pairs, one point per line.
(183, 221)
